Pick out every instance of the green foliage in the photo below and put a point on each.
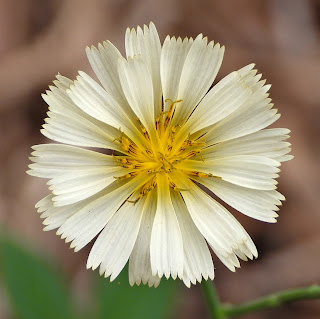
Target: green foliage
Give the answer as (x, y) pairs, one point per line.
(119, 300)
(35, 289)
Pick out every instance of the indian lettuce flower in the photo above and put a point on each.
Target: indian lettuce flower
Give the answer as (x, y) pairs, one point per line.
(142, 149)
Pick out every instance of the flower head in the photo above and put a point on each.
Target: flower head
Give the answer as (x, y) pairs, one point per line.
(172, 138)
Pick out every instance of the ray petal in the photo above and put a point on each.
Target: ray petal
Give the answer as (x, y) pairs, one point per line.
(146, 43)
(197, 258)
(67, 123)
(221, 230)
(166, 249)
(250, 171)
(83, 226)
(173, 56)
(258, 204)
(198, 73)
(139, 263)
(114, 244)
(268, 142)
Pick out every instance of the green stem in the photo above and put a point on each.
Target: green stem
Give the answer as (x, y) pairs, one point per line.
(271, 301)
(212, 300)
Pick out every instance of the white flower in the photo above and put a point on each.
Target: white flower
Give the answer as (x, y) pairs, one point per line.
(170, 133)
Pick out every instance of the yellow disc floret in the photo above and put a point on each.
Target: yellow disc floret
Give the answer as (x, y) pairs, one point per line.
(155, 161)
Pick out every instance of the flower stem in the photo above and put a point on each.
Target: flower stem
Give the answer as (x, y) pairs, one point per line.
(271, 301)
(212, 300)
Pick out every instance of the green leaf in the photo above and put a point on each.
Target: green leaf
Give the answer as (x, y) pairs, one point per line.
(35, 289)
(119, 300)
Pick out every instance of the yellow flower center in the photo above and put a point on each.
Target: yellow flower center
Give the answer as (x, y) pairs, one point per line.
(160, 156)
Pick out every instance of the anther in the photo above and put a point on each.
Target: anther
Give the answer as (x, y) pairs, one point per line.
(119, 138)
(174, 128)
(170, 111)
(175, 188)
(148, 187)
(134, 201)
(203, 175)
(131, 174)
(143, 129)
(149, 152)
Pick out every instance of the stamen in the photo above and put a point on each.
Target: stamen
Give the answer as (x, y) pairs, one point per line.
(132, 149)
(170, 111)
(164, 160)
(193, 143)
(120, 136)
(148, 187)
(149, 152)
(126, 161)
(174, 186)
(203, 175)
(158, 123)
(143, 129)
(128, 175)
(191, 154)
(158, 119)
(174, 129)
(169, 149)
(155, 171)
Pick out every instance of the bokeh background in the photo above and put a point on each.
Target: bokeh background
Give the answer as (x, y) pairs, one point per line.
(40, 277)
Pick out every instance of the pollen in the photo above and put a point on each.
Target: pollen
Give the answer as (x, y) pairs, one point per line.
(160, 153)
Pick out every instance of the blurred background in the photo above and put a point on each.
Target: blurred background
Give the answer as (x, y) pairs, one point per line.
(40, 277)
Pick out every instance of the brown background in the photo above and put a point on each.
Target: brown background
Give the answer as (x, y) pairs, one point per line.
(38, 39)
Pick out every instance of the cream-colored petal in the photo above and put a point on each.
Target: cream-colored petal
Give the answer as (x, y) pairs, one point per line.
(69, 155)
(94, 100)
(77, 131)
(69, 124)
(197, 258)
(224, 98)
(285, 158)
(136, 83)
(166, 248)
(231, 261)
(83, 226)
(258, 204)
(60, 102)
(203, 216)
(44, 204)
(114, 245)
(146, 43)
(52, 160)
(173, 56)
(62, 82)
(58, 216)
(139, 262)
(104, 62)
(269, 143)
(53, 216)
(255, 115)
(221, 230)
(250, 171)
(80, 184)
(198, 73)
(89, 96)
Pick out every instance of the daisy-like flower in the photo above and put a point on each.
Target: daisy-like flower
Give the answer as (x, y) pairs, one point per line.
(172, 137)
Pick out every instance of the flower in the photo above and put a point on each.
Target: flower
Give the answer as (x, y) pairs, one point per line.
(173, 139)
